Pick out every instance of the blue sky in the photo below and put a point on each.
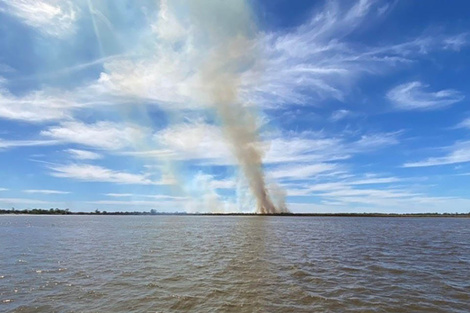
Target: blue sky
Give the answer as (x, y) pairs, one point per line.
(359, 106)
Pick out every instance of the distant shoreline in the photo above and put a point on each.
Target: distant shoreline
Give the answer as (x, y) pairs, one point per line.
(154, 213)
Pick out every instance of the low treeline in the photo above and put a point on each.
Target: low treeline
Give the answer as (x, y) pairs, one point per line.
(37, 211)
(58, 211)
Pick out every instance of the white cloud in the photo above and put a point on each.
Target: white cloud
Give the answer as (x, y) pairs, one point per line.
(64, 71)
(366, 195)
(138, 202)
(301, 171)
(414, 96)
(169, 205)
(376, 180)
(152, 154)
(156, 197)
(338, 181)
(83, 154)
(464, 124)
(314, 61)
(458, 153)
(3, 189)
(178, 205)
(371, 142)
(119, 195)
(47, 191)
(195, 141)
(339, 115)
(418, 204)
(4, 144)
(102, 134)
(167, 26)
(9, 202)
(319, 147)
(206, 144)
(350, 196)
(35, 107)
(188, 141)
(205, 203)
(51, 17)
(93, 173)
(167, 68)
(223, 184)
(456, 42)
(306, 147)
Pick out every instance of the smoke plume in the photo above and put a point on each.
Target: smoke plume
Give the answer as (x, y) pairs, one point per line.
(221, 75)
(194, 61)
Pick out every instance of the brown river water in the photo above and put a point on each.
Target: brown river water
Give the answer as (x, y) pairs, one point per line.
(233, 264)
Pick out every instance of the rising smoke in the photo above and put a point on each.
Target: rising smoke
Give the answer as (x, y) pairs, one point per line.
(197, 57)
(221, 76)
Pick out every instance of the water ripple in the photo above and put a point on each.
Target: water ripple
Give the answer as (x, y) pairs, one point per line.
(233, 264)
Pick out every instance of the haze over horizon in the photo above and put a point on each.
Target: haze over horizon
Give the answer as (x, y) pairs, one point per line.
(342, 106)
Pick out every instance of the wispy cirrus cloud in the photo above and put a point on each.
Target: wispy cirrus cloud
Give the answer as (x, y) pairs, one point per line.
(83, 154)
(464, 124)
(52, 18)
(414, 96)
(5, 144)
(301, 171)
(46, 191)
(456, 42)
(366, 195)
(94, 173)
(119, 195)
(371, 193)
(204, 142)
(339, 115)
(374, 181)
(133, 195)
(37, 106)
(340, 180)
(318, 61)
(457, 153)
(314, 61)
(170, 205)
(8, 202)
(101, 135)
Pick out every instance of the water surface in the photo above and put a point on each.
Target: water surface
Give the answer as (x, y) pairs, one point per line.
(233, 264)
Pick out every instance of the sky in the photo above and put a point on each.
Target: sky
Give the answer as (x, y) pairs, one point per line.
(356, 106)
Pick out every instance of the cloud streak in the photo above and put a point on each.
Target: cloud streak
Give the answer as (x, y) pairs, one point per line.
(458, 153)
(102, 134)
(46, 191)
(5, 144)
(94, 173)
(83, 154)
(414, 96)
(36, 107)
(52, 18)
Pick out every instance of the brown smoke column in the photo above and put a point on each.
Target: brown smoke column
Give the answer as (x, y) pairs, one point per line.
(221, 77)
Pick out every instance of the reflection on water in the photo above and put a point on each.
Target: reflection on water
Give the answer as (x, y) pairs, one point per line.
(233, 264)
